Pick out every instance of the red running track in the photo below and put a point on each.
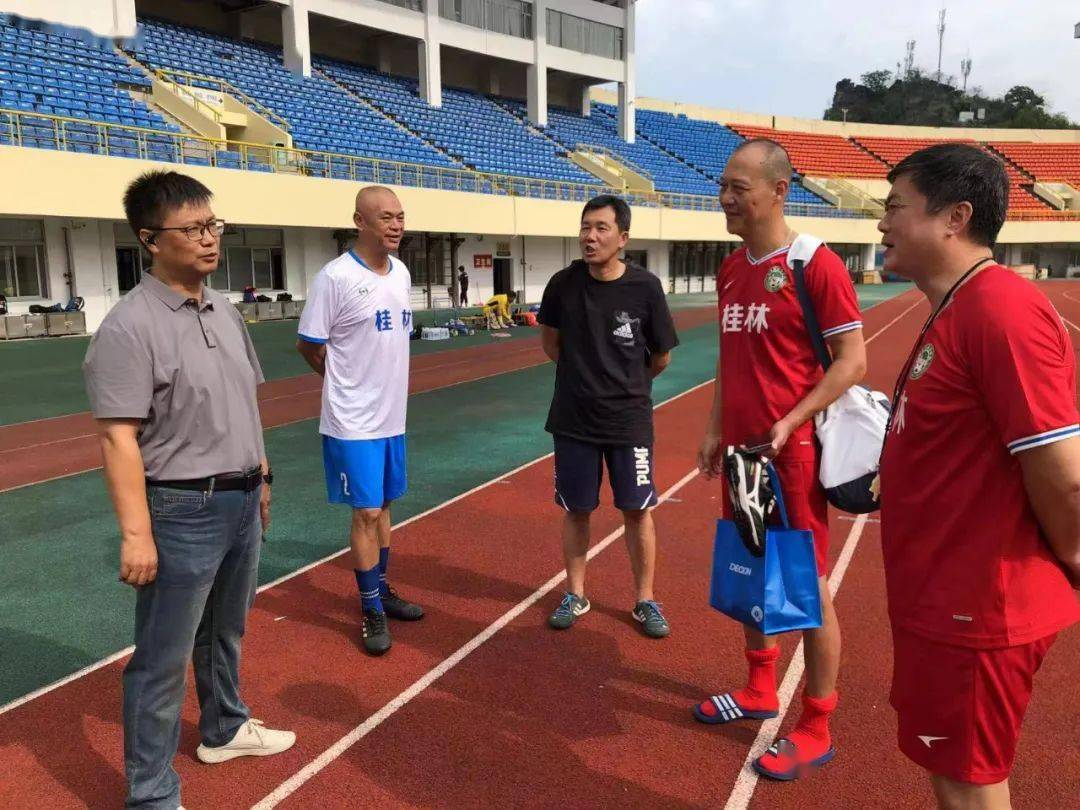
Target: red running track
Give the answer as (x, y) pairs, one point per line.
(595, 716)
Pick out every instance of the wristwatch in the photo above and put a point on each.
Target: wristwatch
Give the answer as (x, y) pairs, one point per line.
(268, 476)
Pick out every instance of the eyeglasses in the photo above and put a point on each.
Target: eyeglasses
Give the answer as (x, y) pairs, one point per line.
(195, 232)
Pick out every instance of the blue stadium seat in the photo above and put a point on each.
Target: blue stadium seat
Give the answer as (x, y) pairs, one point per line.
(59, 75)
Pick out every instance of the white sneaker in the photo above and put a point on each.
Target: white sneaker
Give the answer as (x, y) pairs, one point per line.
(253, 739)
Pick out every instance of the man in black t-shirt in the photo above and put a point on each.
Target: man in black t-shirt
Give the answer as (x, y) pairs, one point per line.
(607, 327)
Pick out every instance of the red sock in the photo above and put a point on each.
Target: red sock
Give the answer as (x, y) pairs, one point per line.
(811, 733)
(759, 694)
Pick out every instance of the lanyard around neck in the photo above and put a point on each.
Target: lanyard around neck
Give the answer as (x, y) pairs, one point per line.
(901, 381)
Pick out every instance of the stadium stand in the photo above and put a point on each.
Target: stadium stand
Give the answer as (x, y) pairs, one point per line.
(571, 130)
(1044, 161)
(893, 150)
(705, 145)
(468, 126)
(322, 116)
(62, 93)
(823, 155)
(1022, 201)
(65, 77)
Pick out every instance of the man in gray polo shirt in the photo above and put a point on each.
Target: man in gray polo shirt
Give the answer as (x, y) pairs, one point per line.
(172, 375)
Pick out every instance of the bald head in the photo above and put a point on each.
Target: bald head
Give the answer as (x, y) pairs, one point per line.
(770, 156)
(370, 199)
(379, 220)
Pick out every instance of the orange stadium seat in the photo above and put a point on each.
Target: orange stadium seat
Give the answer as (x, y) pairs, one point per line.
(814, 154)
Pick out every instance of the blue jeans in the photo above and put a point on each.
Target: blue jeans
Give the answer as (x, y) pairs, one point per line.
(208, 565)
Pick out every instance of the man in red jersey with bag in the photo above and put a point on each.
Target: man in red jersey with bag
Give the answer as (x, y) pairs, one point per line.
(980, 480)
(769, 387)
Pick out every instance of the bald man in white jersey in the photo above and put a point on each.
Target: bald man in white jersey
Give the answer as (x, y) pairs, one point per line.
(354, 332)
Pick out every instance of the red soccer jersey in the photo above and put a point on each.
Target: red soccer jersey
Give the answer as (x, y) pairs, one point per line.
(965, 560)
(767, 363)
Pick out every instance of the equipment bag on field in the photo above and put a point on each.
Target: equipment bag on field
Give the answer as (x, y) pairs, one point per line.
(851, 431)
(776, 592)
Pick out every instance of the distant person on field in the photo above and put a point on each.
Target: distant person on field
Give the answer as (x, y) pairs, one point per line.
(769, 387)
(354, 332)
(172, 376)
(463, 285)
(497, 311)
(606, 325)
(980, 484)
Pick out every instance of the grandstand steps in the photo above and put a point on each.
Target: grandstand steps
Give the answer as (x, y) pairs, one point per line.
(532, 128)
(1008, 161)
(393, 120)
(680, 158)
(143, 95)
(869, 151)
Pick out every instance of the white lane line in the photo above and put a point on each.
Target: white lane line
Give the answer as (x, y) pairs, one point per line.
(747, 780)
(894, 321)
(46, 444)
(291, 785)
(14, 704)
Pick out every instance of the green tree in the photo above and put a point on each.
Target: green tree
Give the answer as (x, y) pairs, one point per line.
(1023, 97)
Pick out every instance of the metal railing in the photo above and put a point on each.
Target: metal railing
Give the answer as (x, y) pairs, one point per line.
(39, 130)
(186, 82)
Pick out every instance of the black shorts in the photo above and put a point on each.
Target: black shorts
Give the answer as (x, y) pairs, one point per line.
(579, 469)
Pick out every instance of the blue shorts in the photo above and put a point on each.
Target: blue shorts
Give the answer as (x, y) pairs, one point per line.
(365, 473)
(579, 469)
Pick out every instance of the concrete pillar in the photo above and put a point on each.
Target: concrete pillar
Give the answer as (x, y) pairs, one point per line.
(430, 57)
(245, 26)
(586, 100)
(869, 255)
(296, 37)
(628, 86)
(537, 74)
(384, 58)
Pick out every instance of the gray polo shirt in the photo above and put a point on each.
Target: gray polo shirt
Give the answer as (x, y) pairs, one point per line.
(188, 371)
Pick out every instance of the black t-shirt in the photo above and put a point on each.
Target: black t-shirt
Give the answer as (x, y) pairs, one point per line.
(607, 330)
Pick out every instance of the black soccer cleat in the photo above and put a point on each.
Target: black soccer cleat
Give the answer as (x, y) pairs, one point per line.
(376, 633)
(400, 609)
(751, 496)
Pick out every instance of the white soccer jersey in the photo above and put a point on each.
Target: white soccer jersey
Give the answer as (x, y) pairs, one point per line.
(365, 320)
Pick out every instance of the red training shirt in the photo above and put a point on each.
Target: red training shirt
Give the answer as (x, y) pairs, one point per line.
(767, 363)
(965, 560)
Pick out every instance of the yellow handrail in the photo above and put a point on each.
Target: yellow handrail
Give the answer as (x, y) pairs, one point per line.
(225, 87)
(611, 155)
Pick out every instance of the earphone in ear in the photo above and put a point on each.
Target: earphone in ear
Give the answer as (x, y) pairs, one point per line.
(151, 239)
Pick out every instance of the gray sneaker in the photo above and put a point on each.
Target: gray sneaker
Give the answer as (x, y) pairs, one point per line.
(570, 608)
(652, 621)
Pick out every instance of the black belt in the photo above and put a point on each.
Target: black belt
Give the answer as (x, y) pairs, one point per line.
(226, 482)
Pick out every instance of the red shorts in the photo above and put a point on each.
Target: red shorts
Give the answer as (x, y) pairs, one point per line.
(806, 504)
(959, 709)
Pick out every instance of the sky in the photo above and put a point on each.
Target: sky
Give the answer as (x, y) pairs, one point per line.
(784, 57)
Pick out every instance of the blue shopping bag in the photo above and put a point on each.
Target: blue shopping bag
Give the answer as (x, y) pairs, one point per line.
(775, 593)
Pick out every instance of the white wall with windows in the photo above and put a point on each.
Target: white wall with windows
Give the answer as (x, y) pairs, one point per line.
(24, 269)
